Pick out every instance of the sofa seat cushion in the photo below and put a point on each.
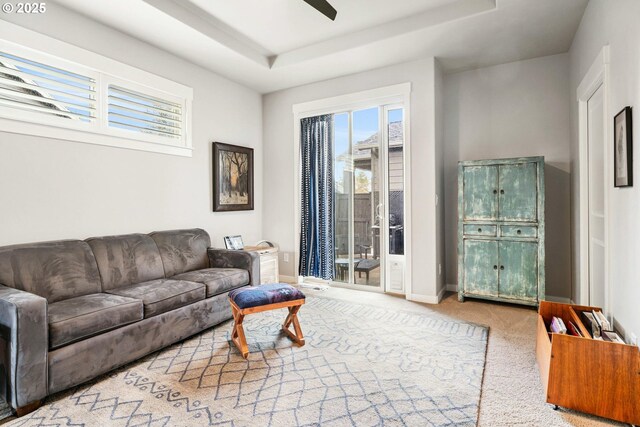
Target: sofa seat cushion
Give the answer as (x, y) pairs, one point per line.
(77, 318)
(162, 295)
(217, 280)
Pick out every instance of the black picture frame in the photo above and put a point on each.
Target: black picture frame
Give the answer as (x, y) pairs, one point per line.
(623, 149)
(232, 188)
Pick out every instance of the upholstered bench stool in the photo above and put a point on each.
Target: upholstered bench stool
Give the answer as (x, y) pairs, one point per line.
(255, 299)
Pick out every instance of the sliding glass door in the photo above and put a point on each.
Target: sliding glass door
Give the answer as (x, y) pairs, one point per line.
(353, 198)
(358, 198)
(369, 198)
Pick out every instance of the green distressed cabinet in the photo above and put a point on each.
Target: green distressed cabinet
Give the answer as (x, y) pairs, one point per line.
(501, 230)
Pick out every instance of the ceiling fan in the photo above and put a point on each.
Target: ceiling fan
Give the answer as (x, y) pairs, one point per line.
(323, 7)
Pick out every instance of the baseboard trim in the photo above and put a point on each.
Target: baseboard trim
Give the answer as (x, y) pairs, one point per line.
(563, 300)
(452, 287)
(428, 299)
(288, 279)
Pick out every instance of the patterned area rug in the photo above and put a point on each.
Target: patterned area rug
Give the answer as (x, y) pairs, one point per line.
(361, 366)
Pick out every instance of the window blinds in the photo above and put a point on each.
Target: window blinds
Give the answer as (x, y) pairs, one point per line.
(76, 95)
(42, 90)
(139, 112)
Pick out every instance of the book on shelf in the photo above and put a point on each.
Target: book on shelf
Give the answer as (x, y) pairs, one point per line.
(612, 336)
(591, 324)
(602, 321)
(572, 329)
(557, 326)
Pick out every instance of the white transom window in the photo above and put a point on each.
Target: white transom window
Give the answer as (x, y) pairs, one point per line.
(73, 94)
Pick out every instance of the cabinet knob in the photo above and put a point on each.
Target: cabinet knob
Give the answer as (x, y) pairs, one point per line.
(479, 230)
(502, 267)
(495, 267)
(519, 232)
(501, 191)
(495, 191)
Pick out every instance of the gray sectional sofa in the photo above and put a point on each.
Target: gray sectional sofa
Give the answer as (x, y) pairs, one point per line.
(71, 310)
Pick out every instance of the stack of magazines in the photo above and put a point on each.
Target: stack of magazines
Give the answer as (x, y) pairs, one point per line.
(595, 321)
(600, 327)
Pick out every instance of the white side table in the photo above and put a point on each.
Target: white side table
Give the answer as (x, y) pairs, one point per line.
(269, 272)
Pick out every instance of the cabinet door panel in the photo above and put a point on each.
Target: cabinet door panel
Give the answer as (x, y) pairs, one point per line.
(481, 267)
(480, 188)
(519, 270)
(518, 192)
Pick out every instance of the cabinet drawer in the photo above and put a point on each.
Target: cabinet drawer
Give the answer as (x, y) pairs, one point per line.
(479, 230)
(518, 231)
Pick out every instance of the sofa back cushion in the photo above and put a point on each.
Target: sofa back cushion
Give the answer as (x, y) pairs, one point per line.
(53, 270)
(126, 260)
(183, 250)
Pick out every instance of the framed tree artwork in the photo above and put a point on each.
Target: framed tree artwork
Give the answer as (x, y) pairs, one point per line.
(622, 140)
(232, 177)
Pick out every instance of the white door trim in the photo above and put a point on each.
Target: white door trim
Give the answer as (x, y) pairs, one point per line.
(596, 77)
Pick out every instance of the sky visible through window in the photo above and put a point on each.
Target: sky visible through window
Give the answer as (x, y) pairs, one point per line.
(365, 124)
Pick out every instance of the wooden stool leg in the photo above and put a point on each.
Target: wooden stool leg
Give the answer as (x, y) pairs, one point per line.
(237, 336)
(288, 320)
(297, 337)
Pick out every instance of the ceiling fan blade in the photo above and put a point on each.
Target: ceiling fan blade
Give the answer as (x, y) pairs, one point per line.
(323, 7)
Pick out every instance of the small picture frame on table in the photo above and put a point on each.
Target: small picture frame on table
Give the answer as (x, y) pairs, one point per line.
(234, 242)
(623, 149)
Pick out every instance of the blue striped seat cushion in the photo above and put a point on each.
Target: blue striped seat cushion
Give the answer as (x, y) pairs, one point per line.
(256, 296)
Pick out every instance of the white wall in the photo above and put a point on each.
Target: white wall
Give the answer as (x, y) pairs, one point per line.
(513, 110)
(280, 160)
(52, 189)
(614, 23)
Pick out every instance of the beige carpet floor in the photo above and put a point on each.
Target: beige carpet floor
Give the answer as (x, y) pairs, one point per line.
(511, 391)
(362, 365)
(512, 394)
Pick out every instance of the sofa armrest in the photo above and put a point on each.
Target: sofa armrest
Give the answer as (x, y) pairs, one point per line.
(23, 328)
(225, 258)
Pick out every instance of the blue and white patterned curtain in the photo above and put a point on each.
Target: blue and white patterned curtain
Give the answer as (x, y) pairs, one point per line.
(317, 239)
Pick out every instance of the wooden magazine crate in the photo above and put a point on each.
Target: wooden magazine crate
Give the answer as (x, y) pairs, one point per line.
(587, 375)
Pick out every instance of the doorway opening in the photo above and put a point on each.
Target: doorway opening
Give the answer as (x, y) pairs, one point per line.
(595, 154)
(594, 184)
